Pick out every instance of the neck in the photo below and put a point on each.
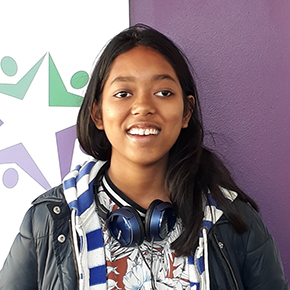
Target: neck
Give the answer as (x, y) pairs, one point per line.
(142, 184)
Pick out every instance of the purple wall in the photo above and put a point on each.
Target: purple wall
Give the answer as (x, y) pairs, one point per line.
(240, 51)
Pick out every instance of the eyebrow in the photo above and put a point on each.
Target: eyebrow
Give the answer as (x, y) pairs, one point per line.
(163, 77)
(123, 79)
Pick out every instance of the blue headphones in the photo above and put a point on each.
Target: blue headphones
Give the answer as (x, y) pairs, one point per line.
(127, 227)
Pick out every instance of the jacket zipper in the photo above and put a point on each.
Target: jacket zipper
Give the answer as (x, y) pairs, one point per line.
(220, 246)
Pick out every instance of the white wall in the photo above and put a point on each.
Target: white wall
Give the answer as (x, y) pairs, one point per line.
(37, 137)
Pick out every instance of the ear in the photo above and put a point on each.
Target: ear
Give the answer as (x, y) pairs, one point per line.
(96, 116)
(190, 107)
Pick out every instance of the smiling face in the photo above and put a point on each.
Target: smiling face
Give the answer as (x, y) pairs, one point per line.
(142, 108)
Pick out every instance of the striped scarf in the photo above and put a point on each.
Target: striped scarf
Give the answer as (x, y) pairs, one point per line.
(88, 238)
(79, 193)
(199, 263)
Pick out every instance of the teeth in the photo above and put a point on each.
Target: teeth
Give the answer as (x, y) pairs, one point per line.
(142, 132)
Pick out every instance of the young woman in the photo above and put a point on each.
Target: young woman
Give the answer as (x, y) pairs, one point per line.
(153, 208)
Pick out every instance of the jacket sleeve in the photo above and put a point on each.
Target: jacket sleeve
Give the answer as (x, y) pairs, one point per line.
(20, 268)
(263, 268)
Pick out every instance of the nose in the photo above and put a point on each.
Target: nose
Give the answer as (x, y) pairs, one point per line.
(143, 105)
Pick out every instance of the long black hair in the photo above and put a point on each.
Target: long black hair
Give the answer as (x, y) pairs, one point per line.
(192, 168)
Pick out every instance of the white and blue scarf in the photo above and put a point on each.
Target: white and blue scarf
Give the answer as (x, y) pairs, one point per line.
(88, 238)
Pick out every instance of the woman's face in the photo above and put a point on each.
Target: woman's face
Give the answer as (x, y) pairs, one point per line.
(142, 107)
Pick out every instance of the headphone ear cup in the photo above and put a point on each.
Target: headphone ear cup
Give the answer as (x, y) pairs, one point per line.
(126, 226)
(159, 220)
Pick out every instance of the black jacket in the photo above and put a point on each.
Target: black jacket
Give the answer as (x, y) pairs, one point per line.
(42, 256)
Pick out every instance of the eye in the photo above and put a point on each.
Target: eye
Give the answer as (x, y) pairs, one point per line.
(164, 93)
(123, 94)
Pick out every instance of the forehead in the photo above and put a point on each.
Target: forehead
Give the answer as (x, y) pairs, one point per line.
(139, 61)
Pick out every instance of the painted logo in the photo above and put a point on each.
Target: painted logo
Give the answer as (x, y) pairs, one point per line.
(53, 100)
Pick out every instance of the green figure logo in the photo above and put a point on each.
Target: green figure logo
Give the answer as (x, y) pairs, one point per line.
(18, 90)
(58, 94)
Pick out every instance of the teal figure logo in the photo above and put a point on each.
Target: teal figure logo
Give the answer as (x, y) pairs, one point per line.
(58, 94)
(18, 90)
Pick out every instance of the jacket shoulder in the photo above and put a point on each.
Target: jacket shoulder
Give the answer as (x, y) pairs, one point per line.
(262, 262)
(256, 236)
(254, 223)
(42, 253)
(252, 257)
(48, 208)
(53, 195)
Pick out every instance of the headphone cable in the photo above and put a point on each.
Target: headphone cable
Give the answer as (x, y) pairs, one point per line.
(153, 286)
